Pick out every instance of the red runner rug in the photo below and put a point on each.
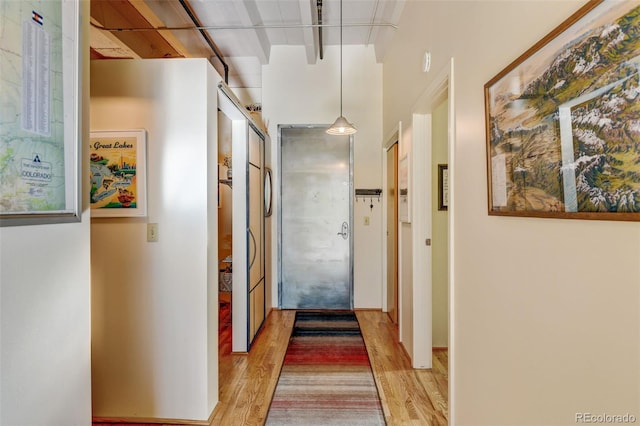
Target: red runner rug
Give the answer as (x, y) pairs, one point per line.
(326, 376)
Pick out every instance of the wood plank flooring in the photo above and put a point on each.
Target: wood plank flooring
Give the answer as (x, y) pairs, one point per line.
(408, 396)
(247, 381)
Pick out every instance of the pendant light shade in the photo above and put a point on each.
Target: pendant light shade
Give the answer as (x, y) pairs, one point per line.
(341, 126)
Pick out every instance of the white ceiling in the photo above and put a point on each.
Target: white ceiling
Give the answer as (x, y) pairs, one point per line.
(245, 30)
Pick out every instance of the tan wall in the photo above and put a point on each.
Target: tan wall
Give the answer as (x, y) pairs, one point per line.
(439, 232)
(547, 312)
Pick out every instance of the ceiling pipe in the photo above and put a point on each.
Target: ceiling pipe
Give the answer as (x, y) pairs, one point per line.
(320, 45)
(207, 38)
(244, 27)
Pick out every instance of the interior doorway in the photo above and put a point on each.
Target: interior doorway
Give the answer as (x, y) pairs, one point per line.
(316, 210)
(392, 232)
(415, 255)
(225, 233)
(440, 223)
(245, 178)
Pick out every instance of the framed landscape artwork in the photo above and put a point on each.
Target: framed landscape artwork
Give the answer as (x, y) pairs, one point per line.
(117, 170)
(563, 121)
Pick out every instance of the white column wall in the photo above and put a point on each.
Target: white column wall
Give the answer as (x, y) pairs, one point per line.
(45, 310)
(546, 312)
(296, 93)
(155, 303)
(45, 345)
(212, 238)
(46, 317)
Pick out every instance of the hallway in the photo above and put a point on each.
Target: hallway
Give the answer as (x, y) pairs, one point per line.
(408, 396)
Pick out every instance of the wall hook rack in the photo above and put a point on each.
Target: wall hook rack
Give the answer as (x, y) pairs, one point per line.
(370, 194)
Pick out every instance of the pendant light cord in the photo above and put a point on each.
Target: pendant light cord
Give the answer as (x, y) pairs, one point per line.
(341, 126)
(340, 58)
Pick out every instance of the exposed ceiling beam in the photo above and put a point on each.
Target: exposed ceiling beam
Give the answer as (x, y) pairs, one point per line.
(155, 21)
(249, 15)
(105, 45)
(310, 34)
(381, 37)
(207, 37)
(121, 13)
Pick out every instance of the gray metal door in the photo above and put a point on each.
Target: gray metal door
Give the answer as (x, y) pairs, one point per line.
(316, 270)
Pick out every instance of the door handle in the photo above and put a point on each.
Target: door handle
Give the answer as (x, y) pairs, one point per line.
(344, 231)
(255, 248)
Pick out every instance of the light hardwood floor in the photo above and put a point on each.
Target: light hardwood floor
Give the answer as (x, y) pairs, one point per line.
(408, 396)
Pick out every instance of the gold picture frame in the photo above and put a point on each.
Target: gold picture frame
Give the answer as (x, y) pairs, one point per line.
(563, 135)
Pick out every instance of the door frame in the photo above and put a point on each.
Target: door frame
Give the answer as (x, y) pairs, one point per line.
(241, 124)
(392, 144)
(393, 138)
(279, 207)
(442, 86)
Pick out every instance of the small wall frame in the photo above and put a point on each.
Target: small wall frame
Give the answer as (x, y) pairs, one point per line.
(404, 189)
(118, 173)
(443, 187)
(562, 123)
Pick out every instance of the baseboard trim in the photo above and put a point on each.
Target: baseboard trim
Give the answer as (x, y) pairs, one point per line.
(406, 353)
(153, 420)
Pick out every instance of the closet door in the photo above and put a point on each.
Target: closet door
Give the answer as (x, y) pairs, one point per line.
(255, 234)
(248, 248)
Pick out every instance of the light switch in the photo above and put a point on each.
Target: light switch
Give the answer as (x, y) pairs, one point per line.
(152, 232)
(366, 221)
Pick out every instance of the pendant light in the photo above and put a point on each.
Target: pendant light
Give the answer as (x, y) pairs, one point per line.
(341, 126)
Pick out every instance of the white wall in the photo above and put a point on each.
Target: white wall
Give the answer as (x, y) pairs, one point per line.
(297, 93)
(46, 325)
(155, 304)
(405, 253)
(45, 315)
(547, 312)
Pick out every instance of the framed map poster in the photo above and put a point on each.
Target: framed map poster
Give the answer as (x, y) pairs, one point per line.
(39, 135)
(117, 170)
(563, 123)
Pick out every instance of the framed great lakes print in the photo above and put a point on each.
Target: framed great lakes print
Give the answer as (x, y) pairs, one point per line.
(117, 170)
